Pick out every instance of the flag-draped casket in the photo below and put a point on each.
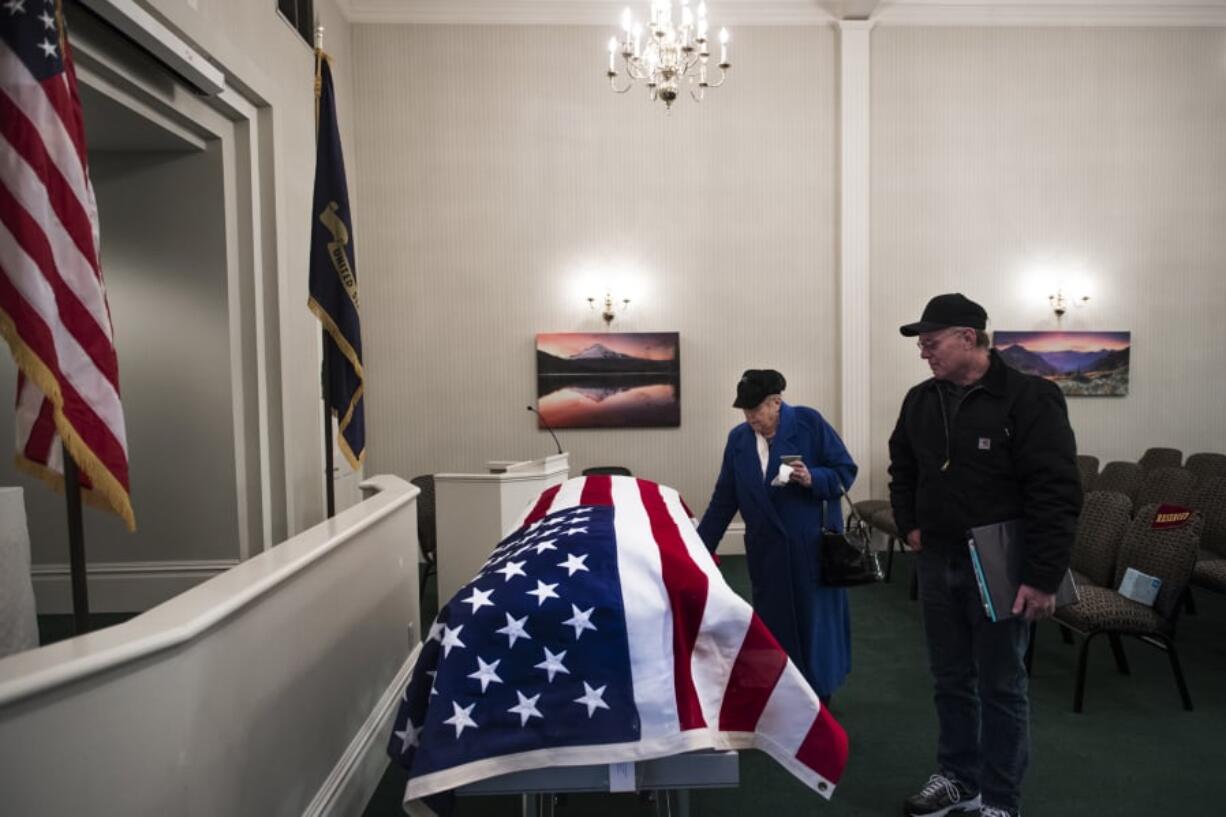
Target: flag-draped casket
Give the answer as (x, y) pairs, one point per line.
(599, 631)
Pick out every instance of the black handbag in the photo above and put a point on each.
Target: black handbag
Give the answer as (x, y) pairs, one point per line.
(847, 558)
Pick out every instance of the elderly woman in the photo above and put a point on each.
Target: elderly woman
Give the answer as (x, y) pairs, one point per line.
(782, 470)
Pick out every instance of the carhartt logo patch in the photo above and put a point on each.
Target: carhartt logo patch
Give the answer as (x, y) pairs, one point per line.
(985, 443)
(1170, 516)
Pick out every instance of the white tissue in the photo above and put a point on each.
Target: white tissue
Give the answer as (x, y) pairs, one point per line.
(784, 476)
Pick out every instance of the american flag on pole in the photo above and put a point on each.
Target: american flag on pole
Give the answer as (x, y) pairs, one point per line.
(601, 631)
(53, 308)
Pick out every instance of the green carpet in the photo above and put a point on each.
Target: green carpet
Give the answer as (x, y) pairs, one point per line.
(1134, 751)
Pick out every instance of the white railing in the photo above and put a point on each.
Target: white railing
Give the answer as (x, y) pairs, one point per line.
(265, 690)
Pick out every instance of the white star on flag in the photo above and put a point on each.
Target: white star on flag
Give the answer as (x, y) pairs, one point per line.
(574, 563)
(47, 20)
(461, 717)
(433, 673)
(553, 664)
(573, 531)
(436, 632)
(580, 620)
(14, 6)
(485, 673)
(541, 547)
(543, 591)
(526, 708)
(49, 50)
(513, 630)
(592, 698)
(451, 638)
(479, 599)
(512, 569)
(408, 737)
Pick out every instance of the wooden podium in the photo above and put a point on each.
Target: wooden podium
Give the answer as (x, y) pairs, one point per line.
(473, 510)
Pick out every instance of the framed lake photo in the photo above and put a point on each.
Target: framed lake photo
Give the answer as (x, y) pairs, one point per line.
(1082, 364)
(609, 379)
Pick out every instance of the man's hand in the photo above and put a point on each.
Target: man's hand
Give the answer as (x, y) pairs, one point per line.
(800, 474)
(913, 540)
(1033, 604)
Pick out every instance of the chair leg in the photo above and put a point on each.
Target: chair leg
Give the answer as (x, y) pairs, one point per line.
(1117, 649)
(1066, 634)
(1179, 679)
(1079, 691)
(915, 584)
(1189, 604)
(889, 558)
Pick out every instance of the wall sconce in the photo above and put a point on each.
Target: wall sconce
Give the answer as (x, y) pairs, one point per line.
(1059, 304)
(607, 308)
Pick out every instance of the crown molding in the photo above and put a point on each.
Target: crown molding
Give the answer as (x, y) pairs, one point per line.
(1070, 13)
(1003, 13)
(574, 12)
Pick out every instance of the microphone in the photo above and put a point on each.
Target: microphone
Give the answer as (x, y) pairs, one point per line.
(547, 428)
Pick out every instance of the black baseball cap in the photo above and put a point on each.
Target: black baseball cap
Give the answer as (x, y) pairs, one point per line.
(944, 311)
(756, 385)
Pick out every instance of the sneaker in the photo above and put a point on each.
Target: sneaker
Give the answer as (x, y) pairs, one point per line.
(941, 795)
(993, 811)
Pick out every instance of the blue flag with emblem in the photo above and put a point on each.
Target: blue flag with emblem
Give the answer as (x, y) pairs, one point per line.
(334, 281)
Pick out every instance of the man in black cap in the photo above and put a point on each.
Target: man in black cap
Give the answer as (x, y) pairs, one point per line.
(979, 443)
(782, 469)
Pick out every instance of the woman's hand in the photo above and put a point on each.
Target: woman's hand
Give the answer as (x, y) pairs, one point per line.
(801, 475)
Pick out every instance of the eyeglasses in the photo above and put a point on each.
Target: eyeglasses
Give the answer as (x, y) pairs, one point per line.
(935, 341)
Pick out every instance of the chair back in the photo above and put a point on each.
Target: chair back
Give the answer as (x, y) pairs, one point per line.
(427, 533)
(614, 470)
(1160, 458)
(1173, 485)
(1210, 499)
(1121, 477)
(1088, 466)
(1167, 553)
(1206, 465)
(1105, 516)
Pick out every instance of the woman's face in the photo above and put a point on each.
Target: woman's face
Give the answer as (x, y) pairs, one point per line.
(764, 417)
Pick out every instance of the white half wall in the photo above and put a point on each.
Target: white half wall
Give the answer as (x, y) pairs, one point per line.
(267, 690)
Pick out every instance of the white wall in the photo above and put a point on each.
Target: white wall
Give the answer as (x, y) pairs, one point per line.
(1006, 161)
(497, 172)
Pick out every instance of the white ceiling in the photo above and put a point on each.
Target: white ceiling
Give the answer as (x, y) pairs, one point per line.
(803, 12)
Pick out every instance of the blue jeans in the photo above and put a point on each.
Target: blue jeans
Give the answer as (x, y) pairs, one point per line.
(979, 674)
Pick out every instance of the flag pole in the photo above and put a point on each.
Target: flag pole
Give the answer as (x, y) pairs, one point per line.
(76, 545)
(329, 486)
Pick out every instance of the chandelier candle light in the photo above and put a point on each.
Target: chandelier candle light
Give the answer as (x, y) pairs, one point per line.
(671, 55)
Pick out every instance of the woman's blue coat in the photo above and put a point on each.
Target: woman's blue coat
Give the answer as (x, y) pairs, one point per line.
(783, 528)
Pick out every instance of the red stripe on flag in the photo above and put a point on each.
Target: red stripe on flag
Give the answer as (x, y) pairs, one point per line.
(542, 505)
(25, 138)
(754, 674)
(824, 749)
(42, 434)
(89, 426)
(687, 596)
(597, 490)
(67, 105)
(73, 314)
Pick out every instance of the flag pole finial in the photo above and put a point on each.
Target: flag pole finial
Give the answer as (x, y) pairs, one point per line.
(319, 38)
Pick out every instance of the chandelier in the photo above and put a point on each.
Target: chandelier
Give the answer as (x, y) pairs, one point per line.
(673, 54)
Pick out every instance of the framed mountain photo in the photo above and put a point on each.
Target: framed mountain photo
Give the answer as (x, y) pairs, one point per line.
(1082, 364)
(609, 379)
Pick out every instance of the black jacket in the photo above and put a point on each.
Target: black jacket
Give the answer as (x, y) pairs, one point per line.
(1007, 452)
